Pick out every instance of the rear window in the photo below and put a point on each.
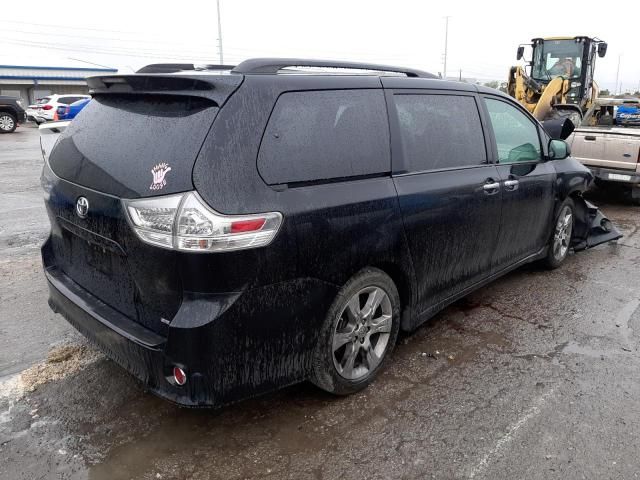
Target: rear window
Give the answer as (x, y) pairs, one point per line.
(42, 101)
(313, 136)
(440, 131)
(119, 138)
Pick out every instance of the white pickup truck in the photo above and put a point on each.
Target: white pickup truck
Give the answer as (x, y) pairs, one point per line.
(609, 144)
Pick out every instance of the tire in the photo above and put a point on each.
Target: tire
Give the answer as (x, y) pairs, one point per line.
(8, 122)
(560, 240)
(635, 195)
(359, 354)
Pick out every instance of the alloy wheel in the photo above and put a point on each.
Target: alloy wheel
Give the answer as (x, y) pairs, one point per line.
(361, 335)
(6, 123)
(562, 233)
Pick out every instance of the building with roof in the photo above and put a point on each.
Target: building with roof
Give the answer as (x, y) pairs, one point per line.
(32, 82)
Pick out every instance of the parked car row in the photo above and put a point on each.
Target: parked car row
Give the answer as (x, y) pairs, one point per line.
(50, 108)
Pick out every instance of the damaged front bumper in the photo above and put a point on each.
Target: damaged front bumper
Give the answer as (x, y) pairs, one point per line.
(592, 227)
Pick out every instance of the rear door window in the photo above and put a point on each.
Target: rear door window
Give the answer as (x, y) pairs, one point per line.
(516, 135)
(68, 100)
(440, 131)
(320, 135)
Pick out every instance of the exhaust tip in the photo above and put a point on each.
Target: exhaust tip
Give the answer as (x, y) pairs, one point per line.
(179, 376)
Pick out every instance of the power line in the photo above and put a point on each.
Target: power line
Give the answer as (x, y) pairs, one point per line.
(70, 27)
(142, 53)
(111, 53)
(87, 37)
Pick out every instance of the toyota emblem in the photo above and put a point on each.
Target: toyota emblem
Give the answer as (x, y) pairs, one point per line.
(82, 207)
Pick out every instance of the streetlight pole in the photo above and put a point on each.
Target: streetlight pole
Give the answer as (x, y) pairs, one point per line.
(617, 75)
(446, 44)
(219, 34)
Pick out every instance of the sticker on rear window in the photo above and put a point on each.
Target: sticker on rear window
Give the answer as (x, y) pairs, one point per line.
(159, 172)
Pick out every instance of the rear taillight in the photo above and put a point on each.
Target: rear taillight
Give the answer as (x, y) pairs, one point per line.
(47, 107)
(185, 222)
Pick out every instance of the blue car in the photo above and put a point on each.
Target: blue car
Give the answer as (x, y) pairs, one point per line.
(628, 114)
(68, 112)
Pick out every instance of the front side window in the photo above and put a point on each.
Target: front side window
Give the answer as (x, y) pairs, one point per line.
(440, 131)
(319, 135)
(516, 135)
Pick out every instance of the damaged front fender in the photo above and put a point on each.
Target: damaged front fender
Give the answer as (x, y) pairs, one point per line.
(591, 227)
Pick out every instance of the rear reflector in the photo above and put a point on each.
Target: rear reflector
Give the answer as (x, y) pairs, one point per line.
(179, 376)
(247, 225)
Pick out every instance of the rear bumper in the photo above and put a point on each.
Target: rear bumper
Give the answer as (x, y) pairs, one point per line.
(232, 345)
(615, 175)
(135, 348)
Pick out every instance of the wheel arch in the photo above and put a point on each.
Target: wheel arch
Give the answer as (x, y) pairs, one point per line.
(404, 284)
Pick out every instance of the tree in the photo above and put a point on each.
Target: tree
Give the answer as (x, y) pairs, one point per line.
(604, 93)
(493, 84)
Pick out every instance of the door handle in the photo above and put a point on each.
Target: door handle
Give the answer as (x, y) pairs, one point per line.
(511, 184)
(491, 188)
(590, 138)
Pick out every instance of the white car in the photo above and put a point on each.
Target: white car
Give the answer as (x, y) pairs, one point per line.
(46, 107)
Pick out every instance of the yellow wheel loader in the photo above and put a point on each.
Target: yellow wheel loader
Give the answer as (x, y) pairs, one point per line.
(557, 83)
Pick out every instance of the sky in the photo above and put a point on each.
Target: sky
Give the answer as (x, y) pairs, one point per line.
(483, 36)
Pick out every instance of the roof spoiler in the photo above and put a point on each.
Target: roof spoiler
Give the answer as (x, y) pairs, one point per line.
(217, 88)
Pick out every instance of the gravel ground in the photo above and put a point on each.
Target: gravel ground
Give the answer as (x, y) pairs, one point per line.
(534, 376)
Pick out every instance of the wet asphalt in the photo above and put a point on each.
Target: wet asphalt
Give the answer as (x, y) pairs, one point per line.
(534, 377)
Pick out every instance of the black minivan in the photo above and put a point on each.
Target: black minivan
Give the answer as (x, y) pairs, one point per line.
(221, 232)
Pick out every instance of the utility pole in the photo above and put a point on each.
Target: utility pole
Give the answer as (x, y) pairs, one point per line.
(219, 34)
(617, 75)
(460, 77)
(446, 43)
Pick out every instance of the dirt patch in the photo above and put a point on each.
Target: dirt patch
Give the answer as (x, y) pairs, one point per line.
(61, 361)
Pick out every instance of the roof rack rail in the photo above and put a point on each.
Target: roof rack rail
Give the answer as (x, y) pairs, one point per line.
(274, 65)
(180, 67)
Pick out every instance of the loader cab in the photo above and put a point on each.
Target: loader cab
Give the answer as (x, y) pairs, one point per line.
(572, 58)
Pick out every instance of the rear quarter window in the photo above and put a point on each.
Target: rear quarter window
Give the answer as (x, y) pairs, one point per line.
(320, 135)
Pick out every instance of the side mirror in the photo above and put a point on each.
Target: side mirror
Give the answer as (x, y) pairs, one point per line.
(602, 49)
(558, 149)
(520, 53)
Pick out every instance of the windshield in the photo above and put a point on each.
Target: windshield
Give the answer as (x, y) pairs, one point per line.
(555, 58)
